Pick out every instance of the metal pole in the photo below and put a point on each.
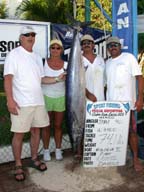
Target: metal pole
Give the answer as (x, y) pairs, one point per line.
(87, 10)
(74, 9)
(135, 33)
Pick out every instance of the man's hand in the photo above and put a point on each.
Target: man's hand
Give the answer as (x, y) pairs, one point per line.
(91, 96)
(12, 107)
(139, 104)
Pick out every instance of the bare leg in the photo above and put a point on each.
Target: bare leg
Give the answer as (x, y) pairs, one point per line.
(46, 133)
(34, 141)
(58, 119)
(17, 147)
(133, 141)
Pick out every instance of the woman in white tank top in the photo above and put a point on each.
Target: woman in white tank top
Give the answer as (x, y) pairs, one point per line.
(54, 95)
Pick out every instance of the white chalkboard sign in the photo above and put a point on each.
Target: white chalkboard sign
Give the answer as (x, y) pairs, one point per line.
(106, 134)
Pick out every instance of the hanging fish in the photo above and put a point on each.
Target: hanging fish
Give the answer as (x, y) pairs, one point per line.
(75, 94)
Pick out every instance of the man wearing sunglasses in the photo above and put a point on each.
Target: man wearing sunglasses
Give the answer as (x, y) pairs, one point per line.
(23, 72)
(122, 70)
(94, 73)
(94, 66)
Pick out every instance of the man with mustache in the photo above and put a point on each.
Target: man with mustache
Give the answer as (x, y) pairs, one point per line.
(94, 73)
(122, 70)
(94, 65)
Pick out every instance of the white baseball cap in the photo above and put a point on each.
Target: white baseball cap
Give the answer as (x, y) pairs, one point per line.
(27, 29)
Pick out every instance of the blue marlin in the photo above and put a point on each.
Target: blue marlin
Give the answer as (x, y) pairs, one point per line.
(75, 94)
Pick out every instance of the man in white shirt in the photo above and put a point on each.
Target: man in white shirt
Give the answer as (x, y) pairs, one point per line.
(23, 72)
(94, 70)
(122, 70)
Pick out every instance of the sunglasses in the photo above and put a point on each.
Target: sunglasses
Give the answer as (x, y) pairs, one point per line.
(57, 48)
(86, 43)
(113, 45)
(29, 34)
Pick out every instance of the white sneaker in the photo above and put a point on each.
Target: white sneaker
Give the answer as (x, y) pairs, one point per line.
(58, 154)
(46, 155)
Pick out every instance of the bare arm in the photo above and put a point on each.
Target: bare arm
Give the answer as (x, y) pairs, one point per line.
(50, 80)
(90, 96)
(11, 103)
(139, 102)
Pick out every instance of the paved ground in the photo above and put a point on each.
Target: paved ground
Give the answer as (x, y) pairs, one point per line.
(134, 182)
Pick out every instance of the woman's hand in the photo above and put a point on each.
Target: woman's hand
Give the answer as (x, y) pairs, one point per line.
(62, 76)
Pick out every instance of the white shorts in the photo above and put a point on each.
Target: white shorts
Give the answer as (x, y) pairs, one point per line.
(33, 116)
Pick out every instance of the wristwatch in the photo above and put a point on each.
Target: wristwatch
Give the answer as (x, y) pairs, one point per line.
(57, 79)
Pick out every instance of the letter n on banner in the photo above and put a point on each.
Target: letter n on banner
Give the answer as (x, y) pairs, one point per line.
(122, 23)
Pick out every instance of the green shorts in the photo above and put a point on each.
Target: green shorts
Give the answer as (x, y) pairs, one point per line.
(55, 104)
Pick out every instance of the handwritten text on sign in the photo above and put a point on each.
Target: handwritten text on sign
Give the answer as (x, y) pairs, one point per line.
(106, 134)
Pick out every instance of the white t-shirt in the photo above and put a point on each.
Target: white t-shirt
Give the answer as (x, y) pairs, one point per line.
(95, 76)
(120, 77)
(54, 90)
(27, 70)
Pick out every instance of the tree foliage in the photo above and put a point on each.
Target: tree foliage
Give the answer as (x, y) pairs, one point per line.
(3, 10)
(55, 11)
(140, 6)
(44, 10)
(96, 14)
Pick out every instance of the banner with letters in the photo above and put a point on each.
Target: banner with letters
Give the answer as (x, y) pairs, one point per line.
(123, 23)
(65, 34)
(9, 36)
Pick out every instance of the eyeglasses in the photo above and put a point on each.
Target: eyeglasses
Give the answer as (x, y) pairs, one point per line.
(113, 45)
(86, 42)
(57, 48)
(29, 34)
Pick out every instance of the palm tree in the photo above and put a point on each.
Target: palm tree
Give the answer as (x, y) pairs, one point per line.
(3, 10)
(44, 10)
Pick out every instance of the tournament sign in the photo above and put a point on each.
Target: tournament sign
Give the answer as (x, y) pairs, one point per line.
(106, 134)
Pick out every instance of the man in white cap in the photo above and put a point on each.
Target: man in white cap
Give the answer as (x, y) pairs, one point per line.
(122, 70)
(23, 73)
(94, 73)
(94, 65)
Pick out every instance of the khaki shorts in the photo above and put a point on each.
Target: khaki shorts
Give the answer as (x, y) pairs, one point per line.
(33, 116)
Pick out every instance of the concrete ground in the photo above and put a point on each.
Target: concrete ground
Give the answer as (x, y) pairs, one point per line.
(133, 182)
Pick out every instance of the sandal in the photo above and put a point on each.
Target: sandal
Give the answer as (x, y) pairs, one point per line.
(38, 165)
(19, 173)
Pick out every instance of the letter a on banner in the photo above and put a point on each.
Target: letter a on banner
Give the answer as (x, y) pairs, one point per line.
(122, 23)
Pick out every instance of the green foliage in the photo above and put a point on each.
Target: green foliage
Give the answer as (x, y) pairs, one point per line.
(44, 10)
(3, 10)
(97, 16)
(5, 134)
(140, 6)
